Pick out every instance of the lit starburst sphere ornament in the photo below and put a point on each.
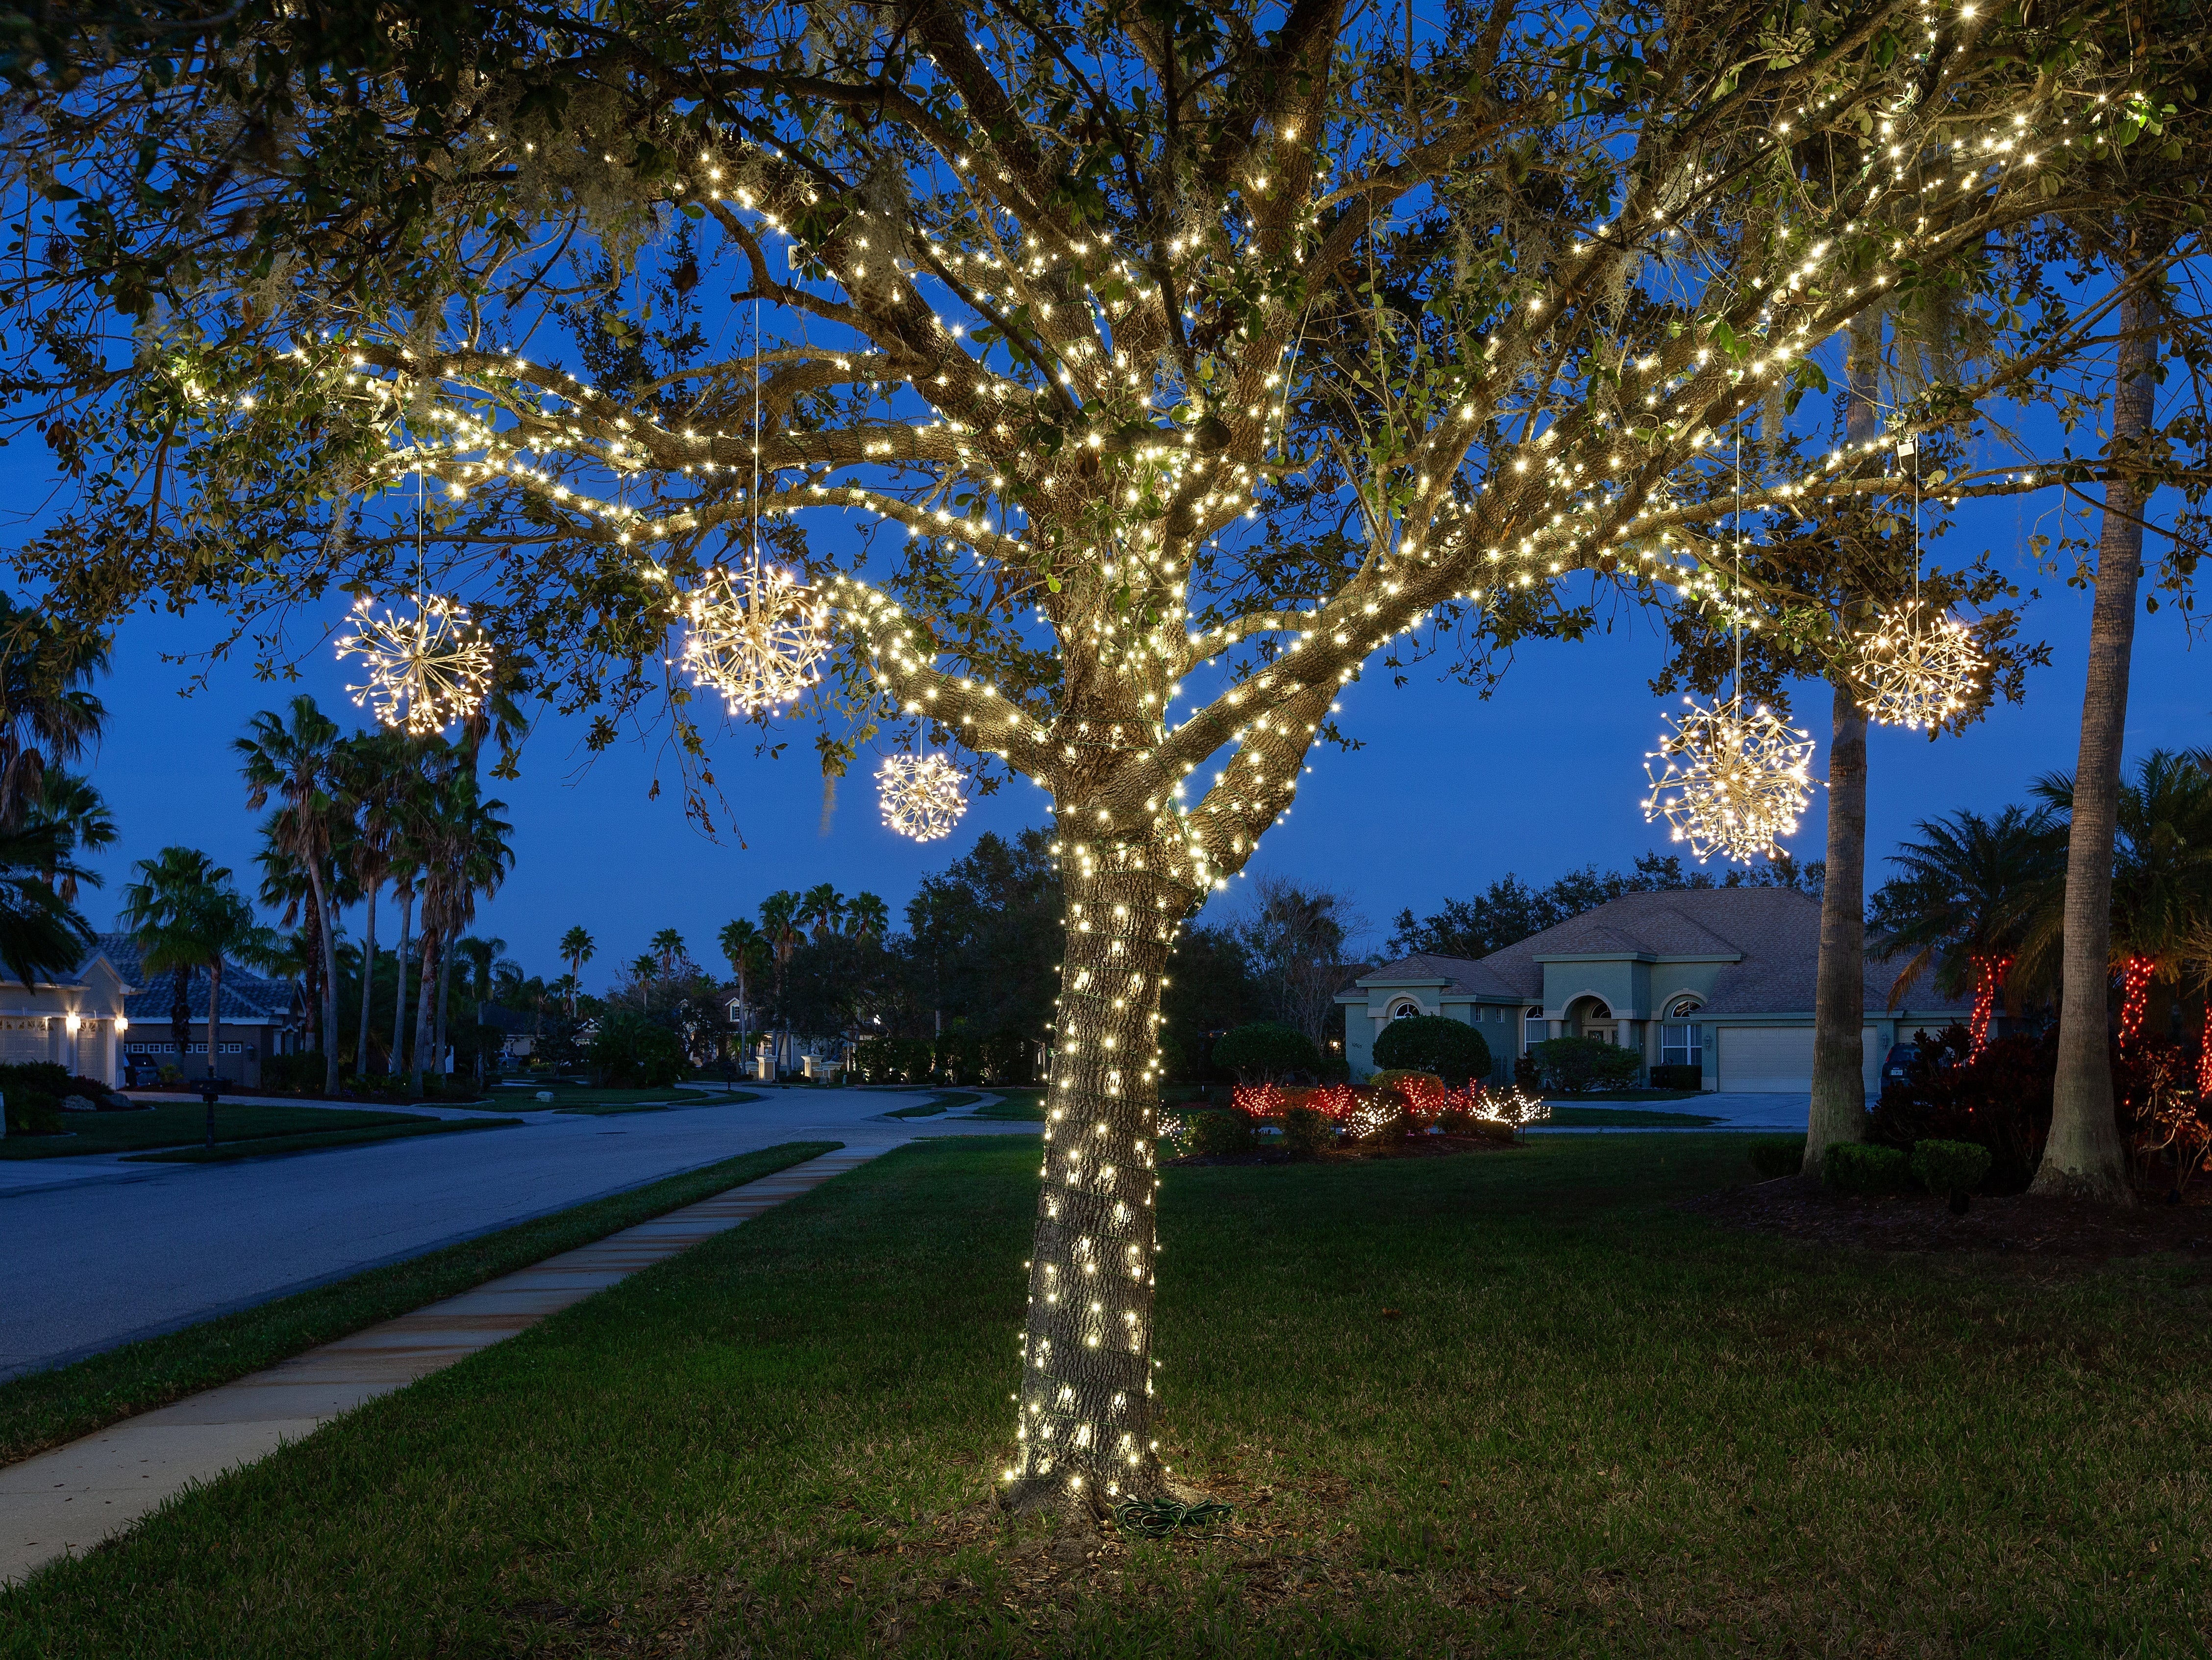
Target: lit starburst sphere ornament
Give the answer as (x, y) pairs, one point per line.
(1917, 668)
(921, 794)
(757, 637)
(425, 669)
(1733, 783)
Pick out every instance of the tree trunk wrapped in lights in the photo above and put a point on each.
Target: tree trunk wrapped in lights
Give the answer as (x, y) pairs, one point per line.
(1083, 296)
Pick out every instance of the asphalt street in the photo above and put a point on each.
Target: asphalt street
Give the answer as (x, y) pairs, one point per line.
(100, 1252)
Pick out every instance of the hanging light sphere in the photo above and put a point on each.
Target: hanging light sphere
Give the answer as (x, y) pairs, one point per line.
(426, 669)
(1733, 783)
(1917, 668)
(757, 637)
(921, 795)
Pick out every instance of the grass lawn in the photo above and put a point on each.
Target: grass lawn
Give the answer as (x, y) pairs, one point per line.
(1511, 1402)
(279, 1147)
(180, 1125)
(605, 1100)
(49, 1408)
(1571, 1116)
(1024, 1103)
(943, 1101)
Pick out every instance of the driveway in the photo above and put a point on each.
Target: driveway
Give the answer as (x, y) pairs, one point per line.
(1737, 1111)
(100, 1252)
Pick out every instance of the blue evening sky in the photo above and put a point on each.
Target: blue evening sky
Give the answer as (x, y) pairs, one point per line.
(1451, 791)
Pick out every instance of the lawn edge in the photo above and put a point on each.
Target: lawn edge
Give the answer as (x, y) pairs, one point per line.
(285, 1146)
(43, 1410)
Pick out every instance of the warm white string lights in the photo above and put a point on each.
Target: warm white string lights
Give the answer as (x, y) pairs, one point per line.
(1919, 666)
(1731, 782)
(921, 795)
(426, 669)
(757, 637)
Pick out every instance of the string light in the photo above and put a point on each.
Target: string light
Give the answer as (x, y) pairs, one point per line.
(1733, 783)
(1917, 667)
(757, 636)
(425, 669)
(921, 795)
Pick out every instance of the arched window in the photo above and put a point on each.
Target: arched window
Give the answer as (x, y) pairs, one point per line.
(1404, 1006)
(1681, 1040)
(1539, 1028)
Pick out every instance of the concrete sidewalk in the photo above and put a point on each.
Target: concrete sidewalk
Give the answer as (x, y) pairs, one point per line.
(65, 1501)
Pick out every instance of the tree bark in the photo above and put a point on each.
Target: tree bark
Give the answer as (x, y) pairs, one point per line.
(1083, 1435)
(438, 1015)
(327, 1009)
(399, 984)
(367, 981)
(424, 974)
(215, 1014)
(1839, 1105)
(2083, 1158)
(1839, 1110)
(180, 1021)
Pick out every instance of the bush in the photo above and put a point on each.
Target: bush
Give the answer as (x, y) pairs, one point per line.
(1214, 1134)
(44, 1076)
(1945, 1167)
(1007, 1058)
(299, 1071)
(1778, 1157)
(1452, 1050)
(1860, 1167)
(1586, 1063)
(2001, 1100)
(1396, 1082)
(33, 1112)
(1528, 1072)
(1307, 1131)
(1267, 1052)
(1675, 1076)
(955, 1059)
(632, 1052)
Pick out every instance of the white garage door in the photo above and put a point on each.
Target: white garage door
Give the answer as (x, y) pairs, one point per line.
(1779, 1060)
(1767, 1059)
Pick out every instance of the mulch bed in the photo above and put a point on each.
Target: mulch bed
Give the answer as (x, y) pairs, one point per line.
(1798, 1208)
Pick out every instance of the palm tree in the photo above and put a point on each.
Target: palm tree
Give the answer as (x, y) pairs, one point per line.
(747, 948)
(40, 933)
(577, 948)
(2160, 881)
(780, 914)
(1965, 901)
(670, 944)
(187, 913)
(867, 917)
(285, 889)
(294, 758)
(465, 852)
(80, 818)
(154, 908)
(823, 907)
(2083, 1156)
(46, 714)
(374, 770)
(644, 968)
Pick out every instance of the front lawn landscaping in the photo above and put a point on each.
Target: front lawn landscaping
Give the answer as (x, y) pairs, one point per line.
(47, 1409)
(1523, 1403)
(180, 1125)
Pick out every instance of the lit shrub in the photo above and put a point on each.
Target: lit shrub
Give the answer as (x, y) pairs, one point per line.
(1860, 1167)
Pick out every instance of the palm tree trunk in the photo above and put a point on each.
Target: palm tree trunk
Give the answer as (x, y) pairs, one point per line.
(400, 985)
(2083, 1158)
(438, 1014)
(215, 1014)
(1839, 1105)
(423, 976)
(367, 981)
(180, 1021)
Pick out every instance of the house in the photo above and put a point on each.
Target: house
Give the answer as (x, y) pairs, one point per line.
(79, 1020)
(518, 1032)
(1718, 978)
(260, 1017)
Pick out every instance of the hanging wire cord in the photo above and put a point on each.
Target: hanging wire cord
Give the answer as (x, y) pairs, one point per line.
(1156, 1518)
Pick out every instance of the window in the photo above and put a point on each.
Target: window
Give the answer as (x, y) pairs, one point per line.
(1682, 1044)
(1539, 1028)
(1404, 1006)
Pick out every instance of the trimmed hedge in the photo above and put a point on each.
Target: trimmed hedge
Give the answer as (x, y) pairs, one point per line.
(1267, 1052)
(1216, 1133)
(1452, 1050)
(1859, 1167)
(1675, 1076)
(1946, 1168)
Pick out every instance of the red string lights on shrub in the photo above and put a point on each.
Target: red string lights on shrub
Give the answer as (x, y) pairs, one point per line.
(1988, 974)
(2134, 984)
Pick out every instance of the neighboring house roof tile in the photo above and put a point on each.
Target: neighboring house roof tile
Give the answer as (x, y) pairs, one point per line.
(1774, 932)
(248, 999)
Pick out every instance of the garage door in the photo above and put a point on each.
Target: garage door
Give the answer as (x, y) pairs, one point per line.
(1779, 1060)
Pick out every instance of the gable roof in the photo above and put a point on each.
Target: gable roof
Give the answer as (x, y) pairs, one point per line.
(1774, 934)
